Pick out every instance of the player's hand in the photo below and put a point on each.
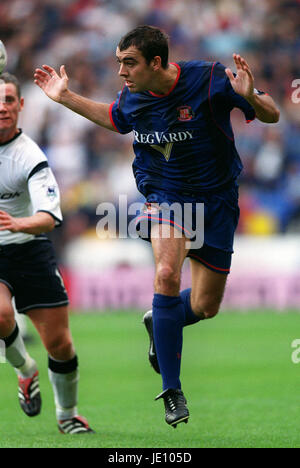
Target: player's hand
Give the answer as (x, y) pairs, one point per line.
(53, 85)
(243, 82)
(8, 223)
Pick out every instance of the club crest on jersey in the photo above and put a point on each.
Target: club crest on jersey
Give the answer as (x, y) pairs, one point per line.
(185, 113)
(51, 192)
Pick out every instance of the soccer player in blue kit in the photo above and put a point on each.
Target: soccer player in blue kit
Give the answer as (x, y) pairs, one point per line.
(185, 153)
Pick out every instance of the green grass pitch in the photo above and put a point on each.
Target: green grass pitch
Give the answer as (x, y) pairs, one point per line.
(242, 387)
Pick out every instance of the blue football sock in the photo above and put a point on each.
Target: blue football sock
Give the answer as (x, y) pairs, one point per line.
(168, 320)
(190, 316)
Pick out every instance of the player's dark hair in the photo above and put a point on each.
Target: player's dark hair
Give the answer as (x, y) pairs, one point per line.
(9, 78)
(150, 40)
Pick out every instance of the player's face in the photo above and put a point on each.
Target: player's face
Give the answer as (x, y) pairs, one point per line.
(10, 107)
(135, 71)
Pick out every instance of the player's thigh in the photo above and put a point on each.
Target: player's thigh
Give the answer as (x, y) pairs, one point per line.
(168, 245)
(52, 325)
(5, 298)
(169, 252)
(207, 289)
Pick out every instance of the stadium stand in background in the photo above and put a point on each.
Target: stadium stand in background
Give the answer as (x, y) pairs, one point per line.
(93, 165)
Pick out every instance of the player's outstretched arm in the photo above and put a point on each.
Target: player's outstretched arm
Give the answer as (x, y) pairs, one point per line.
(37, 224)
(243, 84)
(55, 86)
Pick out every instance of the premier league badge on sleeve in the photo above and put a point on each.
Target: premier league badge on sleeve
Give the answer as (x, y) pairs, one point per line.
(52, 192)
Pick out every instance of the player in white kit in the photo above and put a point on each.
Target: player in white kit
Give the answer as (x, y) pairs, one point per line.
(30, 207)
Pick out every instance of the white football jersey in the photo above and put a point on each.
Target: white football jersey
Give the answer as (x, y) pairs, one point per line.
(27, 185)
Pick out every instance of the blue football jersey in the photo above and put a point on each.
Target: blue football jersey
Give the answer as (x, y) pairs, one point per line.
(183, 141)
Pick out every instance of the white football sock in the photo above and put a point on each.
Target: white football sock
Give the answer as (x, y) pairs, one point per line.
(64, 377)
(17, 355)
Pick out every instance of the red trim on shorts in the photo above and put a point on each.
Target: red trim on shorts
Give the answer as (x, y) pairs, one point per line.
(225, 270)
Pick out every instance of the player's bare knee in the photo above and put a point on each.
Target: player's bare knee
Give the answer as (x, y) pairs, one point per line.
(207, 308)
(7, 321)
(60, 348)
(212, 311)
(167, 280)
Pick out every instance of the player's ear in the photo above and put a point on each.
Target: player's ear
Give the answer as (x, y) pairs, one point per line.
(21, 105)
(156, 62)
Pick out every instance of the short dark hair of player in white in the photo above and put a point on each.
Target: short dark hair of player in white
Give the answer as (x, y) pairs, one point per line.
(30, 207)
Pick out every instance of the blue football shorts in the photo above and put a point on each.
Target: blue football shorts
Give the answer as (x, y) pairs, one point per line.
(207, 220)
(30, 272)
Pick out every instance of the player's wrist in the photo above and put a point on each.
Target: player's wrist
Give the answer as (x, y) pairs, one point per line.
(252, 100)
(64, 97)
(19, 225)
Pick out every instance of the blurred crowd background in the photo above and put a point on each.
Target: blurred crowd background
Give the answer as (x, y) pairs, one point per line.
(93, 165)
